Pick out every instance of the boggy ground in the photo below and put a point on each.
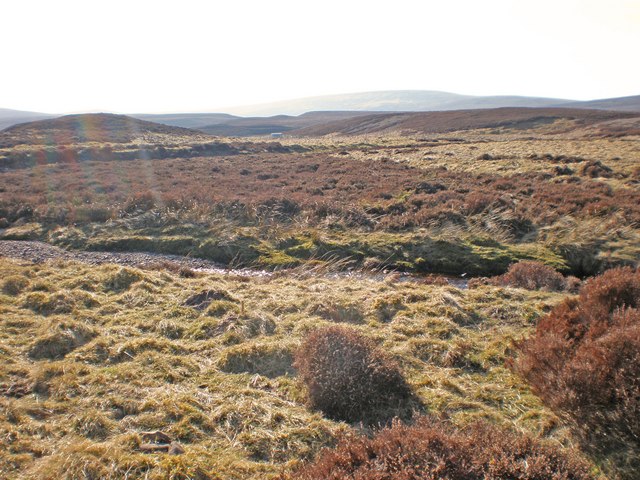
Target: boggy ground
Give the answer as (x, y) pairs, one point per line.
(93, 356)
(467, 202)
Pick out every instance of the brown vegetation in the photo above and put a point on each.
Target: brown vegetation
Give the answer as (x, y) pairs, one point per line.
(584, 361)
(534, 275)
(433, 450)
(347, 377)
(383, 195)
(454, 120)
(95, 127)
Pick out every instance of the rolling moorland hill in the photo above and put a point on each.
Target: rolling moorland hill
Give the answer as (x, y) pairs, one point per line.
(10, 117)
(250, 126)
(630, 104)
(106, 137)
(393, 101)
(84, 128)
(448, 121)
(103, 127)
(127, 352)
(187, 120)
(305, 112)
(423, 101)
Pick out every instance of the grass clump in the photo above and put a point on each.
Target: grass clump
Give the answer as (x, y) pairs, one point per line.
(219, 308)
(63, 337)
(339, 312)
(201, 300)
(268, 360)
(434, 450)
(347, 377)
(14, 285)
(386, 308)
(50, 303)
(122, 279)
(584, 361)
(224, 387)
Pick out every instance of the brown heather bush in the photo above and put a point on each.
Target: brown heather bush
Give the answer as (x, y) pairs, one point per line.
(347, 377)
(431, 450)
(532, 275)
(359, 198)
(584, 360)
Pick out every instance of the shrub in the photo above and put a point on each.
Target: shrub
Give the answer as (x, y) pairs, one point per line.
(584, 360)
(595, 168)
(532, 275)
(435, 450)
(347, 377)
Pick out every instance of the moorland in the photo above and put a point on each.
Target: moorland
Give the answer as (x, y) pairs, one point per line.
(403, 231)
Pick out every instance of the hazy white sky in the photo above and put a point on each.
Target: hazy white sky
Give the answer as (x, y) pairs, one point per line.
(162, 56)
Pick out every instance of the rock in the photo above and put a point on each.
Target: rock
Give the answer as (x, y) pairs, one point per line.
(155, 437)
(159, 442)
(154, 448)
(175, 449)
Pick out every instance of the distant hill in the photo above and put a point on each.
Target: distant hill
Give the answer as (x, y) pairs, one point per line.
(447, 121)
(187, 120)
(392, 101)
(306, 112)
(628, 104)
(423, 101)
(11, 117)
(89, 127)
(248, 126)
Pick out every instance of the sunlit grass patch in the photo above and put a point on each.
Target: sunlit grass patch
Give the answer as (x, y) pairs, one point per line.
(128, 355)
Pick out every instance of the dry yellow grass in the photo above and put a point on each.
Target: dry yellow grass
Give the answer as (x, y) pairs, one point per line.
(105, 353)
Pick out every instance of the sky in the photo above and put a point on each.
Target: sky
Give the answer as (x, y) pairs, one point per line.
(157, 56)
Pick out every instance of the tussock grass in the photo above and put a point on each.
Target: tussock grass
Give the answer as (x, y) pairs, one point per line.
(135, 359)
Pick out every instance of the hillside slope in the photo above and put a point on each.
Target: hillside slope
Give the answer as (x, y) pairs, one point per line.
(392, 101)
(248, 126)
(446, 121)
(93, 127)
(627, 104)
(10, 117)
(186, 120)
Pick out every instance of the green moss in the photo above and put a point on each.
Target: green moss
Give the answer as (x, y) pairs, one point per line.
(274, 259)
(238, 251)
(175, 245)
